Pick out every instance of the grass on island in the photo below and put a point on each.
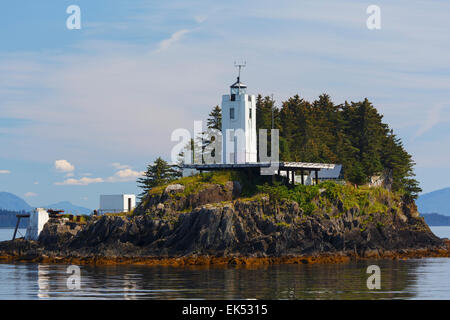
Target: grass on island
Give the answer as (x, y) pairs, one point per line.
(311, 199)
(120, 214)
(326, 195)
(197, 182)
(83, 218)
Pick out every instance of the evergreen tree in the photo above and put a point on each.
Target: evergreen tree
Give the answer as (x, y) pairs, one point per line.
(213, 122)
(215, 119)
(264, 108)
(351, 134)
(264, 112)
(158, 173)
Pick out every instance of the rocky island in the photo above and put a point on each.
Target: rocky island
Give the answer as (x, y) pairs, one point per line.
(221, 218)
(239, 217)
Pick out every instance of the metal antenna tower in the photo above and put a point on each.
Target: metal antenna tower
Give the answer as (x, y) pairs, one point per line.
(272, 107)
(240, 66)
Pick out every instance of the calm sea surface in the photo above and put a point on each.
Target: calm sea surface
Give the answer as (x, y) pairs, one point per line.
(411, 279)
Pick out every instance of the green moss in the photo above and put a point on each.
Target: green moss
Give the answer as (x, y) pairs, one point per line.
(321, 198)
(283, 224)
(196, 183)
(324, 196)
(266, 217)
(120, 214)
(303, 195)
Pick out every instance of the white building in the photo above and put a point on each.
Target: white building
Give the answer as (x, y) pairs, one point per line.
(239, 143)
(38, 218)
(117, 203)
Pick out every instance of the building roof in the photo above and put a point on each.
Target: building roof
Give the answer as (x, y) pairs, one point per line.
(238, 84)
(281, 165)
(334, 173)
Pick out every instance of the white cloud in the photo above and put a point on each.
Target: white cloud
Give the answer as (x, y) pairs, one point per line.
(5, 172)
(64, 166)
(177, 36)
(70, 174)
(119, 166)
(125, 176)
(129, 99)
(96, 87)
(80, 182)
(30, 194)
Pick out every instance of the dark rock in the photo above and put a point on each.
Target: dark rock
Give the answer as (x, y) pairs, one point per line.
(217, 225)
(173, 189)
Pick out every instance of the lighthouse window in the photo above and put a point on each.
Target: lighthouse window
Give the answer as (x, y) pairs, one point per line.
(233, 97)
(250, 98)
(231, 113)
(250, 113)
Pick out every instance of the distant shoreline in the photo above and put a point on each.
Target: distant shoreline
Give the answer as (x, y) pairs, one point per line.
(436, 219)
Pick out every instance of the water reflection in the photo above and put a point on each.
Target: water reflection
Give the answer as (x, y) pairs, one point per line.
(411, 279)
(432, 278)
(43, 281)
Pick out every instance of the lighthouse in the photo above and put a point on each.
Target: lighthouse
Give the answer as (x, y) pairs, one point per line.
(239, 143)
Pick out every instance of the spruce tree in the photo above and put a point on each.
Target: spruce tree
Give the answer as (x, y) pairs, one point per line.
(215, 119)
(264, 109)
(351, 134)
(158, 173)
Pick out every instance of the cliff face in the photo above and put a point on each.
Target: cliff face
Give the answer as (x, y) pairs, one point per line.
(165, 226)
(252, 227)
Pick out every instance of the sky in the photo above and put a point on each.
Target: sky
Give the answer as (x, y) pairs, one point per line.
(84, 111)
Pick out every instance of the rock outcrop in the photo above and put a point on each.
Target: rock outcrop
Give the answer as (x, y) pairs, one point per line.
(212, 222)
(173, 198)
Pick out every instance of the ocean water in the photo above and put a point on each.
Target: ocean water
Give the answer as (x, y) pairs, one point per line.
(409, 279)
(441, 231)
(7, 233)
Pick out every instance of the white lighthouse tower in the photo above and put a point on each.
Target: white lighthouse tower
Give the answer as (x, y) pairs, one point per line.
(239, 124)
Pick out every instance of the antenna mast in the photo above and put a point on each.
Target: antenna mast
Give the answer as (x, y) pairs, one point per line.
(240, 66)
(272, 107)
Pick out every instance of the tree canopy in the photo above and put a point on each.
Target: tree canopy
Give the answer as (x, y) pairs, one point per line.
(158, 173)
(215, 119)
(352, 134)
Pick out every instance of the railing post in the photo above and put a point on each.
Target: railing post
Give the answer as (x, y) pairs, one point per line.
(17, 226)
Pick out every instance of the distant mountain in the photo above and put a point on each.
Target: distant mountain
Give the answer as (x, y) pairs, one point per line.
(434, 219)
(11, 202)
(68, 208)
(437, 201)
(8, 219)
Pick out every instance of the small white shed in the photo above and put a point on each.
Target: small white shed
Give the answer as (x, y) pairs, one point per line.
(116, 203)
